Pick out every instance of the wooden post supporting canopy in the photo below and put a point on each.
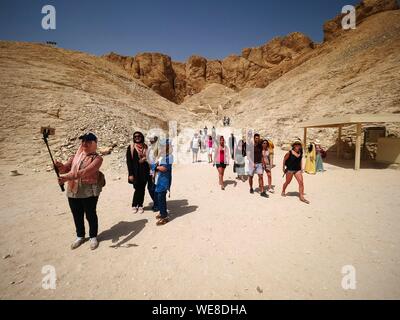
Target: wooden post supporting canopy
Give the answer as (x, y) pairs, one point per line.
(339, 143)
(358, 148)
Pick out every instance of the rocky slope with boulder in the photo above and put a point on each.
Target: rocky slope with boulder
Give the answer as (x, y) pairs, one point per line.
(254, 68)
(358, 72)
(333, 28)
(73, 92)
(273, 88)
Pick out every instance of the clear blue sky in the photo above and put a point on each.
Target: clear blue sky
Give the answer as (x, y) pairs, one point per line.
(179, 28)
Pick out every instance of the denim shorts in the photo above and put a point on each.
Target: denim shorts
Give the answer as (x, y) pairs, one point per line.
(256, 168)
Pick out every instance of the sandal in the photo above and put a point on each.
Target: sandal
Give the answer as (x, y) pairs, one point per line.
(162, 221)
(305, 201)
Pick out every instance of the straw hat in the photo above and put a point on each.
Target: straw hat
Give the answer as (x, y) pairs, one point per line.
(296, 141)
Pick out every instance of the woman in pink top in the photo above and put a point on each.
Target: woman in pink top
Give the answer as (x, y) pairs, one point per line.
(81, 172)
(221, 160)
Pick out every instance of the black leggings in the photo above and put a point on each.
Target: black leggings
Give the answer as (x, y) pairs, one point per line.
(138, 196)
(81, 206)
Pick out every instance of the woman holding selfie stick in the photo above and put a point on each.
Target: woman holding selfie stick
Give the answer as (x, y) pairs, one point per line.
(85, 183)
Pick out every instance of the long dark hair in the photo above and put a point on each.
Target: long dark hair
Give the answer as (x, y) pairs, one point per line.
(139, 133)
(223, 138)
(265, 140)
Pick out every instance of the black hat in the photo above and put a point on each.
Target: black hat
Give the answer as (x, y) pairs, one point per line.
(88, 137)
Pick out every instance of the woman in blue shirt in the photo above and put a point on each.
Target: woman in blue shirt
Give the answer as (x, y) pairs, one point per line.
(163, 179)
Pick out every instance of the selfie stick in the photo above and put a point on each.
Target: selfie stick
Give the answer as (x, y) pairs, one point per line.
(46, 133)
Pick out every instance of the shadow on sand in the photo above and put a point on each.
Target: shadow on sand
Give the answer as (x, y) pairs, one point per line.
(332, 160)
(123, 229)
(293, 194)
(179, 208)
(230, 182)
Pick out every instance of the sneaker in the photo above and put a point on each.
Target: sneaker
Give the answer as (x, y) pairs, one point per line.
(93, 243)
(264, 194)
(271, 190)
(140, 210)
(77, 243)
(134, 209)
(251, 190)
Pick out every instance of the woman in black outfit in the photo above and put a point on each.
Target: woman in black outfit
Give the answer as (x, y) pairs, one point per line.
(138, 169)
(292, 166)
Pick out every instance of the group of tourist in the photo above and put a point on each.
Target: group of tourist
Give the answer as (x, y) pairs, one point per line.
(149, 166)
(255, 156)
(226, 121)
(251, 156)
(202, 142)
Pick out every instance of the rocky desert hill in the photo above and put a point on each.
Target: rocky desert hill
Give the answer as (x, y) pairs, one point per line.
(357, 71)
(254, 68)
(73, 92)
(272, 88)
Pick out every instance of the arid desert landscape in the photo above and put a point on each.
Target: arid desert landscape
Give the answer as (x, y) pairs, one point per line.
(219, 244)
(230, 245)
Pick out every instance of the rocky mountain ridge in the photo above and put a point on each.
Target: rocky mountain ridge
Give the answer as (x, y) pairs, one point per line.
(254, 68)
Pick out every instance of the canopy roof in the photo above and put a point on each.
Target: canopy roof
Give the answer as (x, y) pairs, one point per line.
(350, 119)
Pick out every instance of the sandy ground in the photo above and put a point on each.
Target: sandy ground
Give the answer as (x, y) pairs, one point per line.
(220, 244)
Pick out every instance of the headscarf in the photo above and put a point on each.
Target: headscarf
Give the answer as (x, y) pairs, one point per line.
(79, 156)
(140, 147)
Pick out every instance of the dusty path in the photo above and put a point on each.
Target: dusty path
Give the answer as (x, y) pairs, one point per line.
(219, 245)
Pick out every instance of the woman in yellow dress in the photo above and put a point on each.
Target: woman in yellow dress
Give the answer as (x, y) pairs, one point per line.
(310, 167)
(271, 148)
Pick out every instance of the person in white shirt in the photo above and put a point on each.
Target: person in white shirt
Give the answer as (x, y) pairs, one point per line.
(152, 155)
(195, 145)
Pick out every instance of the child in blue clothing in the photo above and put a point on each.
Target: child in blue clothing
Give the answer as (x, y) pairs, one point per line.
(163, 179)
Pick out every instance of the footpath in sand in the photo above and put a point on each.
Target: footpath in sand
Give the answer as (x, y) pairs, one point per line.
(219, 245)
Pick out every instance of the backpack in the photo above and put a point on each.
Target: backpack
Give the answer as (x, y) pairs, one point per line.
(101, 178)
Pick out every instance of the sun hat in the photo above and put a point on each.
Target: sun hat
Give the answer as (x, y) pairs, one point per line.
(296, 141)
(152, 137)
